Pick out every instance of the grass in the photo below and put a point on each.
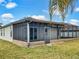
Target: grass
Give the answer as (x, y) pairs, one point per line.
(65, 50)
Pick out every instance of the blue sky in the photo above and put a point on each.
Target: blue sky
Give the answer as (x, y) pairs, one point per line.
(12, 10)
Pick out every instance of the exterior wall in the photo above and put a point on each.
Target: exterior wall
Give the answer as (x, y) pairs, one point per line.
(6, 33)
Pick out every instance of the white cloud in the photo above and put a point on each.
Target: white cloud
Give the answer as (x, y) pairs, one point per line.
(1, 1)
(74, 21)
(76, 9)
(11, 5)
(40, 17)
(7, 16)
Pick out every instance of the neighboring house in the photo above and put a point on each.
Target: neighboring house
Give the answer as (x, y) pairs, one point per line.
(30, 29)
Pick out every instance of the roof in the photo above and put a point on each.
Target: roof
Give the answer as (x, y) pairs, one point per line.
(30, 19)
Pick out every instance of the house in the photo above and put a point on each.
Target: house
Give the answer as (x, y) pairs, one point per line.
(30, 29)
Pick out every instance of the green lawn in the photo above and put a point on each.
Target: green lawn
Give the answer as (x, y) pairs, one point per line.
(65, 50)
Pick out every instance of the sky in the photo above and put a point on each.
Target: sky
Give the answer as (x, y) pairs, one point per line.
(13, 10)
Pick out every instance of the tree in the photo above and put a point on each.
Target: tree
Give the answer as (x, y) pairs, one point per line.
(63, 6)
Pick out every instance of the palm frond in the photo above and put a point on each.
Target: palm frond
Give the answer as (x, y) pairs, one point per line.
(63, 7)
(52, 7)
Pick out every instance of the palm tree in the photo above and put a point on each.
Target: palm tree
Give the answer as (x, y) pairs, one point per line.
(62, 6)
